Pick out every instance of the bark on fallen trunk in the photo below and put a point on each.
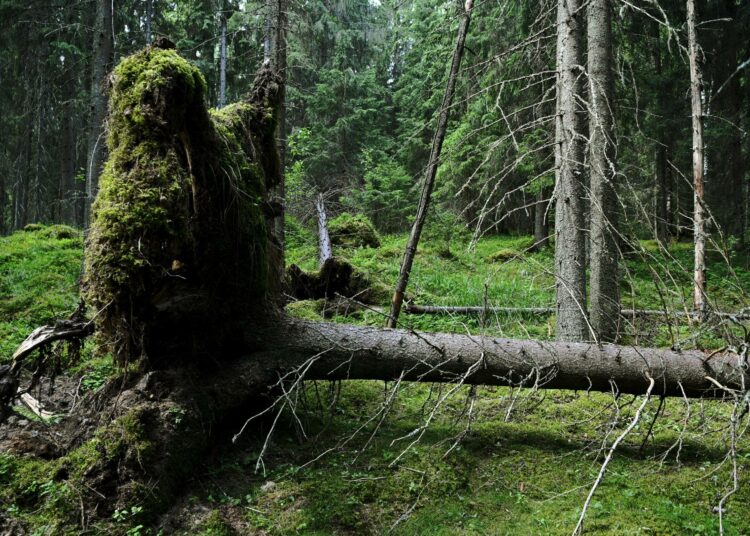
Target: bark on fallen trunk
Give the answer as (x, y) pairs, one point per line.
(478, 309)
(355, 352)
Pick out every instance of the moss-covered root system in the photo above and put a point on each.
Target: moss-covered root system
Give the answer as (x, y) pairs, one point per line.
(179, 243)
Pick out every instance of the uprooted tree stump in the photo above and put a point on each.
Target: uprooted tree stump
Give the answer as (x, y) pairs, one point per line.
(182, 271)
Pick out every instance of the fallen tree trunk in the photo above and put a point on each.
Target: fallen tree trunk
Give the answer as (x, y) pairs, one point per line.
(477, 309)
(354, 352)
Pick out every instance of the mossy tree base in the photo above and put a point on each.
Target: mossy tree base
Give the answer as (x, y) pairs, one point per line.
(179, 248)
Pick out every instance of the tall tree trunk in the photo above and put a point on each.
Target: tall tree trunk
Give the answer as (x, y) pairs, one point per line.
(605, 284)
(223, 58)
(101, 64)
(432, 166)
(275, 53)
(570, 213)
(661, 205)
(149, 20)
(67, 194)
(696, 92)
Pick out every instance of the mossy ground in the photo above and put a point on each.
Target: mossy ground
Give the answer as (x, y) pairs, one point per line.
(523, 468)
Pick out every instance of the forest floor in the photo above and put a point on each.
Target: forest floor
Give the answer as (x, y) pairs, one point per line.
(492, 460)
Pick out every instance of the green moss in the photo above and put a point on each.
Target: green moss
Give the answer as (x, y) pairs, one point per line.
(353, 231)
(505, 255)
(214, 525)
(306, 309)
(179, 211)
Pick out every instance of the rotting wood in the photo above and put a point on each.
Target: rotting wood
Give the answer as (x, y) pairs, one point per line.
(35, 407)
(60, 330)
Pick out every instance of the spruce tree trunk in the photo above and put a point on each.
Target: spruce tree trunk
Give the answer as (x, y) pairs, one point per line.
(696, 93)
(274, 53)
(149, 19)
(661, 208)
(223, 59)
(101, 64)
(432, 166)
(605, 291)
(570, 213)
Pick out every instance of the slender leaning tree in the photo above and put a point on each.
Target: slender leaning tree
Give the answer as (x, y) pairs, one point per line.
(696, 94)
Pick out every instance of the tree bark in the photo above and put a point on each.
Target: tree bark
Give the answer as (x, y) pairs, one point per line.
(149, 19)
(341, 352)
(67, 195)
(101, 65)
(604, 256)
(223, 58)
(696, 93)
(275, 54)
(432, 166)
(570, 214)
(661, 214)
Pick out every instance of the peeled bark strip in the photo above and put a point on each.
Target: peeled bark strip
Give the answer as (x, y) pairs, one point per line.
(432, 166)
(605, 285)
(570, 221)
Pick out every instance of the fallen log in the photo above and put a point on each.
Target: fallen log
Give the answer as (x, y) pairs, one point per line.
(478, 309)
(346, 352)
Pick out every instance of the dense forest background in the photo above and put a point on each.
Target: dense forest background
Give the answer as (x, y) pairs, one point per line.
(365, 80)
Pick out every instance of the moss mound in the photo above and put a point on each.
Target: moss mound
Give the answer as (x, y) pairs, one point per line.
(179, 242)
(506, 255)
(353, 231)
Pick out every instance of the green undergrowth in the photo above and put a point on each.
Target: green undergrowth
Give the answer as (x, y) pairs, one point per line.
(524, 466)
(502, 271)
(39, 269)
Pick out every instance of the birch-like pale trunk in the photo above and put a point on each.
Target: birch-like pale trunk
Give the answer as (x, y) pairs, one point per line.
(699, 232)
(324, 239)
